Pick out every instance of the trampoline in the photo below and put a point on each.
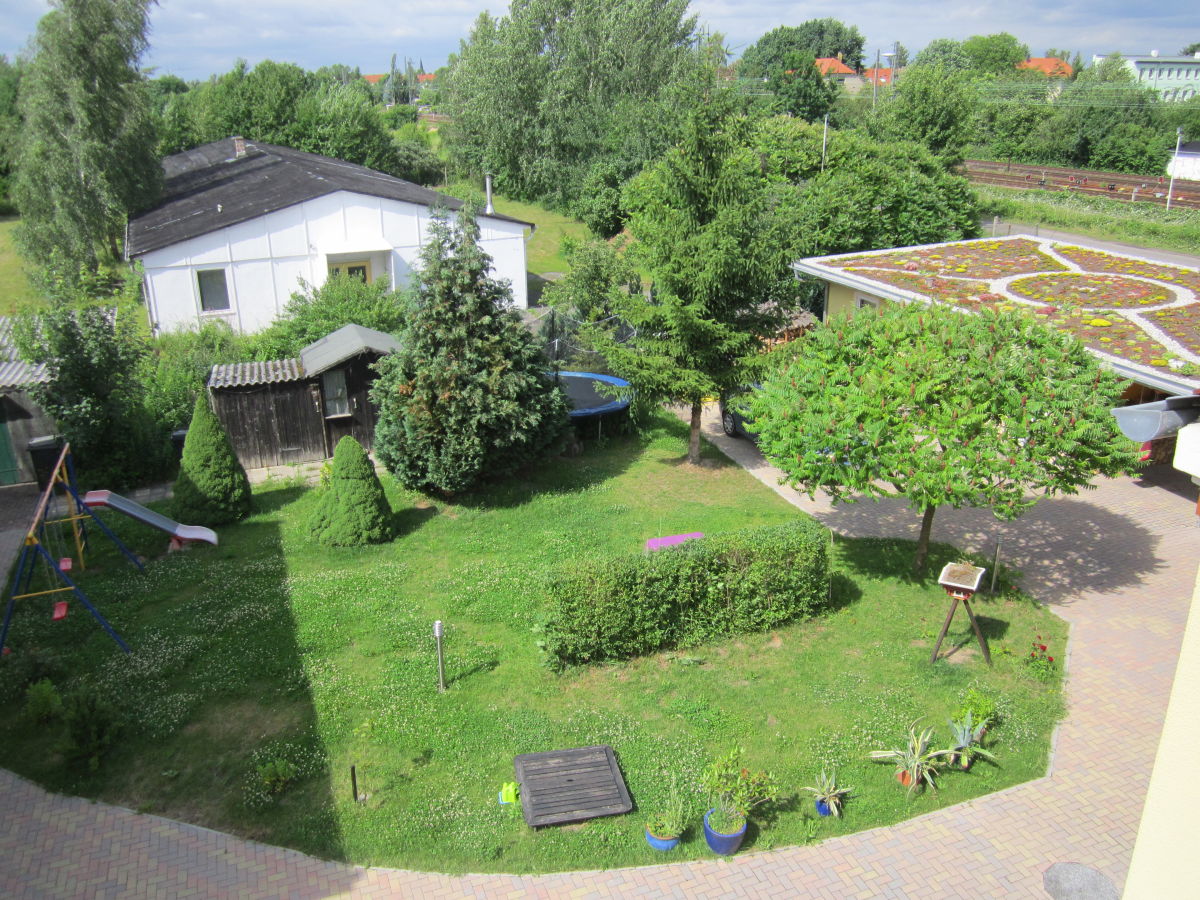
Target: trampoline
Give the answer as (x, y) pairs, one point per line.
(591, 408)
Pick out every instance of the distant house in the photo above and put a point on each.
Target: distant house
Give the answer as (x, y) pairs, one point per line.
(878, 76)
(1050, 66)
(1174, 77)
(296, 410)
(241, 224)
(1186, 163)
(21, 419)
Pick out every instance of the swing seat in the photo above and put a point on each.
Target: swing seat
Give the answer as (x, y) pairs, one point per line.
(60, 611)
(64, 564)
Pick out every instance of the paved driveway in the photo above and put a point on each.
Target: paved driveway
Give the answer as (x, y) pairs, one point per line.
(1118, 564)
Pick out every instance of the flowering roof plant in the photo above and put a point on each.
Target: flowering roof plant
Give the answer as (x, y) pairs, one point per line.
(978, 259)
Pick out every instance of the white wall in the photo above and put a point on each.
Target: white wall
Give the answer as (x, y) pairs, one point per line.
(264, 258)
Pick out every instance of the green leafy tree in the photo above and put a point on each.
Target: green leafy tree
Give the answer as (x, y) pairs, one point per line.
(177, 368)
(467, 396)
(867, 194)
(212, 488)
(994, 54)
(353, 510)
(821, 38)
(944, 408)
(709, 230)
(94, 353)
(1190, 49)
(314, 312)
(800, 88)
(944, 52)
(538, 96)
(10, 126)
(933, 106)
(86, 155)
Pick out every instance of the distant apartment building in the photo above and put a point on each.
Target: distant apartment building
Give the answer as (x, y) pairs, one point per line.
(1174, 77)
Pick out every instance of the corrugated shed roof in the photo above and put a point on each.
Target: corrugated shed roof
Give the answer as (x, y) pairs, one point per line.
(246, 374)
(15, 372)
(347, 341)
(210, 187)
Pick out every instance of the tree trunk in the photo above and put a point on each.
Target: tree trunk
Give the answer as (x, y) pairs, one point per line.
(694, 435)
(923, 540)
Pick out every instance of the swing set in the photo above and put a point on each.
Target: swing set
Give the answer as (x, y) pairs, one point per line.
(59, 510)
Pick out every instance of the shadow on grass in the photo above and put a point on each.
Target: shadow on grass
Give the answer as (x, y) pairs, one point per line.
(215, 689)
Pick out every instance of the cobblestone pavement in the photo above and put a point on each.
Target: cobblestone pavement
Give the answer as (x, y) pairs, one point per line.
(1117, 563)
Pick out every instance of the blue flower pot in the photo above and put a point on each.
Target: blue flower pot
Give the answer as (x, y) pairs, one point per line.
(722, 844)
(823, 808)
(661, 843)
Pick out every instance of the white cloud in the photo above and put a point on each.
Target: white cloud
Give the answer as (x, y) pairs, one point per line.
(195, 38)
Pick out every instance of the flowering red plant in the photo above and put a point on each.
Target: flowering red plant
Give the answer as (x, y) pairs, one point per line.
(1039, 662)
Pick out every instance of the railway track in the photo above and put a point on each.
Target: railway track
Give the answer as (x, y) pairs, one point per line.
(1116, 185)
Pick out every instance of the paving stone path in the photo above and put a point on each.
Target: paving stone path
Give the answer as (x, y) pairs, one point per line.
(1118, 563)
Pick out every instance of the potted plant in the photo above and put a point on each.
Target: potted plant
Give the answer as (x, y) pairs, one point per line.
(967, 737)
(828, 797)
(735, 791)
(916, 763)
(667, 823)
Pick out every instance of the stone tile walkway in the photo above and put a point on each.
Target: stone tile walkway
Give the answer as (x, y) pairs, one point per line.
(1118, 563)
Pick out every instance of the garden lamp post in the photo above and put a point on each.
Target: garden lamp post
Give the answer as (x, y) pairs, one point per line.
(437, 634)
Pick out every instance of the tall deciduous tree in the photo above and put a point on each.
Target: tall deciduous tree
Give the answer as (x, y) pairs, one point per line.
(800, 88)
(467, 396)
(708, 230)
(944, 408)
(931, 105)
(86, 157)
(945, 52)
(995, 54)
(822, 38)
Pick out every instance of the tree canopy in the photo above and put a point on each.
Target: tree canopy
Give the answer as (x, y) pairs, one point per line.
(540, 95)
(945, 52)
(994, 54)
(711, 234)
(801, 89)
(931, 105)
(820, 38)
(86, 156)
(943, 407)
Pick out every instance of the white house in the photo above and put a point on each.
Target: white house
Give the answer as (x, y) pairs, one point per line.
(1186, 163)
(240, 224)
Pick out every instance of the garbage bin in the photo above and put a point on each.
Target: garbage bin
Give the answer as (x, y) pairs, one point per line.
(177, 439)
(44, 453)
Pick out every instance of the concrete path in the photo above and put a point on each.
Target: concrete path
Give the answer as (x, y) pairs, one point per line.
(1118, 563)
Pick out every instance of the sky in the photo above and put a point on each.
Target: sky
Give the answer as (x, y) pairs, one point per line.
(196, 38)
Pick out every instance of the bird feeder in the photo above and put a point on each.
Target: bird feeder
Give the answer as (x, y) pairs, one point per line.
(961, 581)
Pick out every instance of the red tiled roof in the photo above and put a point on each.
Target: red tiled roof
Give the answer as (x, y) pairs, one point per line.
(426, 77)
(884, 75)
(831, 66)
(375, 79)
(1050, 66)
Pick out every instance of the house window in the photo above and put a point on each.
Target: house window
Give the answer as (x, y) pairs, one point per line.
(214, 292)
(864, 302)
(355, 268)
(337, 401)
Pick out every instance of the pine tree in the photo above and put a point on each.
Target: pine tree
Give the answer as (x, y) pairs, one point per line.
(353, 511)
(467, 396)
(212, 488)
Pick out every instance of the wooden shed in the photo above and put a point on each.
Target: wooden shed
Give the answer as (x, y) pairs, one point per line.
(296, 410)
(21, 419)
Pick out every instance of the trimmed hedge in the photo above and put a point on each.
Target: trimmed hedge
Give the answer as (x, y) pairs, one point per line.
(732, 583)
(353, 511)
(212, 488)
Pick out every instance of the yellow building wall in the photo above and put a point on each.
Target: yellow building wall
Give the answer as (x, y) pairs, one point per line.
(841, 300)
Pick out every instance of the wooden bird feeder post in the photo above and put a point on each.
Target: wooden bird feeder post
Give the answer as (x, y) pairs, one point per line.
(961, 581)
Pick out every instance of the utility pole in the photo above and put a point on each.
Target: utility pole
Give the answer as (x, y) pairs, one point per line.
(875, 80)
(1174, 164)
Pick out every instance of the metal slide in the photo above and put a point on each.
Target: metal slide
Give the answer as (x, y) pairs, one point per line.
(179, 533)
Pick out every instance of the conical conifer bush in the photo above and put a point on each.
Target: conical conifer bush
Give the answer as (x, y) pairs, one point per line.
(212, 488)
(353, 511)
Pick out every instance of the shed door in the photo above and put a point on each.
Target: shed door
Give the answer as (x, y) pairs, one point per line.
(9, 473)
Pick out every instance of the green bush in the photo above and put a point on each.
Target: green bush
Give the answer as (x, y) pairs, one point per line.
(178, 367)
(42, 702)
(734, 583)
(353, 510)
(92, 726)
(212, 488)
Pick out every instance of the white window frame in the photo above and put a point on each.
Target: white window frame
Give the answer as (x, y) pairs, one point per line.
(865, 301)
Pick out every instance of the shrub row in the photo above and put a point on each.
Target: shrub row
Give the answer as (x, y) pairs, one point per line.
(734, 583)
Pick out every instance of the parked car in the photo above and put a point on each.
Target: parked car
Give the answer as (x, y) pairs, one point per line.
(735, 417)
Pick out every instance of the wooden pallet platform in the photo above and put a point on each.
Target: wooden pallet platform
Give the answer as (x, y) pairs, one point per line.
(561, 786)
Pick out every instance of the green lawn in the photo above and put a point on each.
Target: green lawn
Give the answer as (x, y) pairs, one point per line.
(15, 291)
(271, 648)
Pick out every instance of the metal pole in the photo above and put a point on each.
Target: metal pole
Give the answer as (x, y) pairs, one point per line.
(995, 567)
(1174, 164)
(824, 141)
(354, 783)
(437, 633)
(875, 81)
